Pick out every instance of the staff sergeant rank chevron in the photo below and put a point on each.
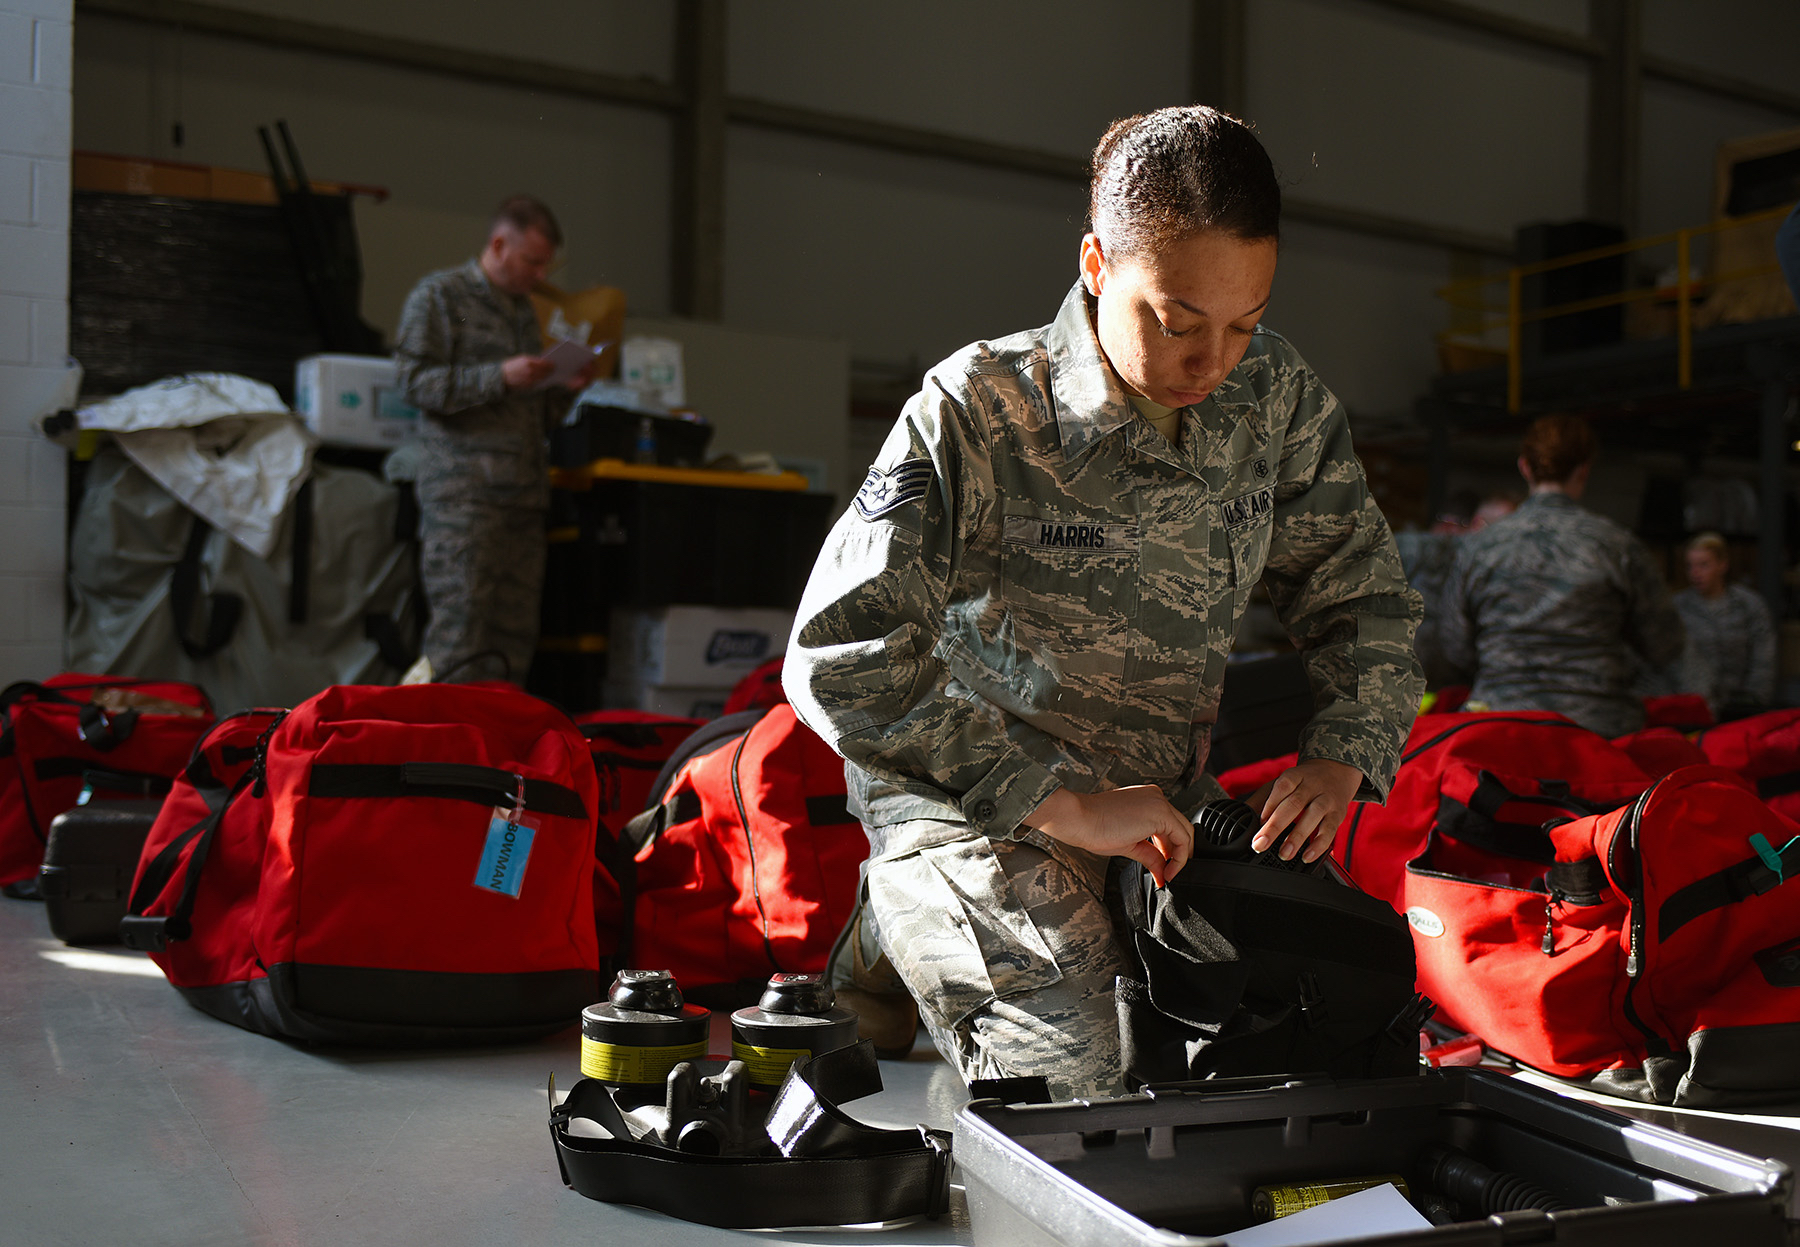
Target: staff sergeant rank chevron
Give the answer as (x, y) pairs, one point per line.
(882, 492)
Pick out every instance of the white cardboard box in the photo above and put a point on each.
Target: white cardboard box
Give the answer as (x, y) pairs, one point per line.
(693, 646)
(680, 701)
(353, 400)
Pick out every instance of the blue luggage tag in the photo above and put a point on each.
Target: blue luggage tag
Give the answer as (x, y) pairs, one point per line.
(508, 848)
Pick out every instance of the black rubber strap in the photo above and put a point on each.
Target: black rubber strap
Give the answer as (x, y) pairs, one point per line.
(870, 1174)
(485, 785)
(1739, 881)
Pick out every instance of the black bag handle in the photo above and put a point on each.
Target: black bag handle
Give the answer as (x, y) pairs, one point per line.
(152, 934)
(225, 609)
(823, 1166)
(485, 785)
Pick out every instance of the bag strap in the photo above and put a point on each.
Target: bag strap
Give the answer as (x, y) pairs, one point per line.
(825, 1167)
(703, 739)
(184, 597)
(103, 731)
(137, 783)
(485, 785)
(152, 934)
(1763, 872)
(300, 548)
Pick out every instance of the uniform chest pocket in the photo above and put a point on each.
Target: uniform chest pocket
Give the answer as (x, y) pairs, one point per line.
(1249, 522)
(1070, 566)
(1249, 554)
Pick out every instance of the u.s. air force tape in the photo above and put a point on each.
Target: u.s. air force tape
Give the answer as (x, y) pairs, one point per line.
(1247, 508)
(883, 490)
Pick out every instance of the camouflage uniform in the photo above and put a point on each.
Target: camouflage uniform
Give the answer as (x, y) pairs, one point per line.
(483, 479)
(1545, 608)
(1733, 640)
(1034, 588)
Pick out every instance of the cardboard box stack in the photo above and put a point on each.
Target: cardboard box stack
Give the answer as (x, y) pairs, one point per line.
(684, 660)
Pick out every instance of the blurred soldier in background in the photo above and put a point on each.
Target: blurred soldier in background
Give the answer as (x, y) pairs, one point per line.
(1427, 558)
(468, 353)
(1731, 636)
(1548, 606)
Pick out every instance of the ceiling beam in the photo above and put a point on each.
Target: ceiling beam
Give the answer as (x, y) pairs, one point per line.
(214, 19)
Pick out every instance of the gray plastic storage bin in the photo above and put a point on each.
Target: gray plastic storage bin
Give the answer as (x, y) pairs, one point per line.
(1177, 1164)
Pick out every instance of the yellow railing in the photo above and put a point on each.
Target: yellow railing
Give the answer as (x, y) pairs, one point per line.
(1468, 294)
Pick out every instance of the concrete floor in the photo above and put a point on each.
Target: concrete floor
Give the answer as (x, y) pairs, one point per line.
(132, 1118)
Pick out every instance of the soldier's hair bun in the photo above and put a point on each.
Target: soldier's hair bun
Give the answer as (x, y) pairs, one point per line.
(1168, 175)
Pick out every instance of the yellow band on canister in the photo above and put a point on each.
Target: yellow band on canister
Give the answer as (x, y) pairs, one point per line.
(768, 1066)
(622, 1063)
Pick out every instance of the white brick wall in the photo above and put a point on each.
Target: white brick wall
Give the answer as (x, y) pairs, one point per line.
(34, 328)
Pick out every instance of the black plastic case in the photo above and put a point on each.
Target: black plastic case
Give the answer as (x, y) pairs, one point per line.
(1177, 1165)
(89, 860)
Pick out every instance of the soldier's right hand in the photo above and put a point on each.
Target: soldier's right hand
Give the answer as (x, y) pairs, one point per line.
(1136, 822)
(521, 372)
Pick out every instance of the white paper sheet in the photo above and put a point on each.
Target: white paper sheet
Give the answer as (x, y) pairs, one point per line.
(568, 357)
(1378, 1210)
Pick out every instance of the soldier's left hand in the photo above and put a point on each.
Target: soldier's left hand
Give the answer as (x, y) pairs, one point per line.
(1307, 801)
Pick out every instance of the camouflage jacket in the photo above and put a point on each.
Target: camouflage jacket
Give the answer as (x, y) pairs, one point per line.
(1546, 606)
(1732, 638)
(455, 331)
(1033, 587)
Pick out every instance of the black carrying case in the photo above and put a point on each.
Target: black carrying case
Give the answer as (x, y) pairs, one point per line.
(89, 860)
(1177, 1164)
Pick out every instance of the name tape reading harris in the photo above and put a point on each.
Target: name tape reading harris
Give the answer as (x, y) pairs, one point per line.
(1051, 533)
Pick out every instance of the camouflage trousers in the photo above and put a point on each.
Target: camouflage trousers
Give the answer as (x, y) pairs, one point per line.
(1009, 948)
(482, 568)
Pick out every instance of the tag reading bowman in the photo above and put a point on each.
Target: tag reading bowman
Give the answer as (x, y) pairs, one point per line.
(507, 851)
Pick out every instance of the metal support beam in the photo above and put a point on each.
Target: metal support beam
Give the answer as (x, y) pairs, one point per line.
(1216, 61)
(1489, 22)
(697, 256)
(213, 19)
(1722, 85)
(280, 32)
(1554, 39)
(1615, 113)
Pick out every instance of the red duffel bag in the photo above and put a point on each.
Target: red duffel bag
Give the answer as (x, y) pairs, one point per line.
(117, 736)
(392, 866)
(1466, 773)
(1658, 951)
(748, 865)
(1764, 749)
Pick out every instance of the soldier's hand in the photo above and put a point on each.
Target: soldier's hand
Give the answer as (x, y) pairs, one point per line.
(1308, 802)
(1136, 822)
(521, 372)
